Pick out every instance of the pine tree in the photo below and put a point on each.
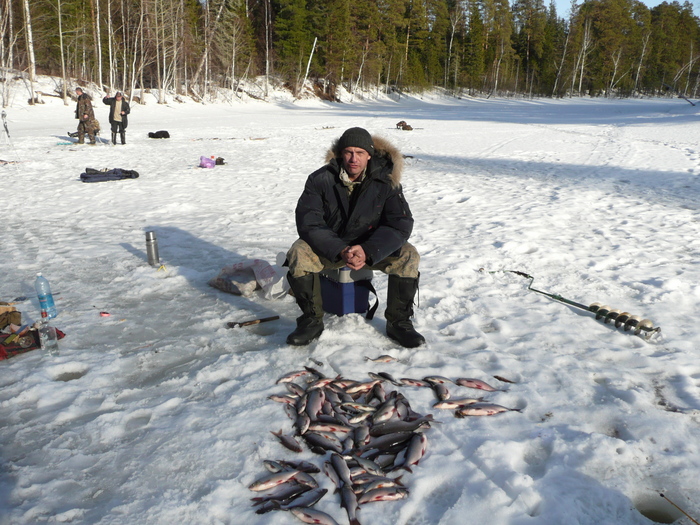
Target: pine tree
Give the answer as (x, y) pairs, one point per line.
(475, 48)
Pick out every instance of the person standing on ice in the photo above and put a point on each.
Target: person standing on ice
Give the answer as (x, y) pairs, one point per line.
(86, 117)
(118, 111)
(353, 213)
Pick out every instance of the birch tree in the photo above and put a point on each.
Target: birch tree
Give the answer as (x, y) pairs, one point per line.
(29, 38)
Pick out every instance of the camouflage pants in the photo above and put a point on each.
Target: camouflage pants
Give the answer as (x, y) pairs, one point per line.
(303, 260)
(91, 127)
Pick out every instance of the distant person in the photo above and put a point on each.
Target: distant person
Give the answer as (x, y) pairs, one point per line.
(86, 117)
(353, 213)
(118, 111)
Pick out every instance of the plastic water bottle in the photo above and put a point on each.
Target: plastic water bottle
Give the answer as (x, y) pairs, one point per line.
(47, 335)
(43, 290)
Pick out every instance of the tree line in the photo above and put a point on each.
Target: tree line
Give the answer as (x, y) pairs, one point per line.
(476, 47)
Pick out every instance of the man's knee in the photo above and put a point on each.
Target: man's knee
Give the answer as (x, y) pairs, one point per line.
(405, 264)
(302, 259)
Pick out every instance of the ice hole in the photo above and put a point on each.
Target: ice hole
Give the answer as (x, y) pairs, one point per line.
(657, 509)
(70, 376)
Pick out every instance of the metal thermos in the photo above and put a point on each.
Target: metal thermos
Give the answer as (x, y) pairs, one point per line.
(344, 275)
(152, 249)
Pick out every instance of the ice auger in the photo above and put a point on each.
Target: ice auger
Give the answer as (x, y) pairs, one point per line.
(639, 326)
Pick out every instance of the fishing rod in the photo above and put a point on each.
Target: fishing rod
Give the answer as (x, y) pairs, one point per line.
(684, 512)
(624, 320)
(6, 133)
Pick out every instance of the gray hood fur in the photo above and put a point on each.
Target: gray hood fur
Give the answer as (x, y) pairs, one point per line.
(382, 148)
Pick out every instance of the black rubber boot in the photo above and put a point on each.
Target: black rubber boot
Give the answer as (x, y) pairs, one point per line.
(307, 291)
(399, 311)
(114, 139)
(123, 137)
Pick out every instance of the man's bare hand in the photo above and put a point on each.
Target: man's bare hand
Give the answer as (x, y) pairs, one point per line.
(354, 257)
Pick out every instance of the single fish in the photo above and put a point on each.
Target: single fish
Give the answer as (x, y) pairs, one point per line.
(288, 441)
(390, 427)
(385, 460)
(307, 515)
(361, 435)
(332, 438)
(319, 375)
(314, 402)
(306, 479)
(329, 471)
(359, 418)
(377, 393)
(369, 466)
(341, 468)
(348, 444)
(320, 444)
(301, 465)
(483, 409)
(414, 382)
(362, 387)
(272, 480)
(390, 378)
(385, 412)
(441, 392)
(282, 493)
(438, 379)
(343, 384)
(383, 483)
(295, 389)
(336, 417)
(273, 466)
(376, 376)
(387, 494)
(287, 399)
(450, 404)
(291, 376)
(329, 427)
(386, 358)
(302, 422)
(306, 499)
(504, 380)
(321, 383)
(388, 440)
(360, 407)
(348, 500)
(475, 383)
(267, 506)
(415, 451)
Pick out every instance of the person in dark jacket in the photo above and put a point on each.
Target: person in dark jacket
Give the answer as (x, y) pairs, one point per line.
(353, 213)
(86, 117)
(118, 111)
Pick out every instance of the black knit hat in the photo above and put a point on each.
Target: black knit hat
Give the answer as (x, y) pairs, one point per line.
(356, 138)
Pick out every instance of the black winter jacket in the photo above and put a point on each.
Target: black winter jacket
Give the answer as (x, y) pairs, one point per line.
(111, 101)
(380, 221)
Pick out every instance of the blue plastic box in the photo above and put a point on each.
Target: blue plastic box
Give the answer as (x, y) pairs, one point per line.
(342, 291)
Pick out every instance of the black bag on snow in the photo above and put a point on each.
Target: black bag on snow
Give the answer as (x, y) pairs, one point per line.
(93, 175)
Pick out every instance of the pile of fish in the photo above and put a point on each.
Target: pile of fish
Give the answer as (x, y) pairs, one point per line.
(368, 434)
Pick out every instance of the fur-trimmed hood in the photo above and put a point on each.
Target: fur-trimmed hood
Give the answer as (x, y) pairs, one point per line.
(382, 148)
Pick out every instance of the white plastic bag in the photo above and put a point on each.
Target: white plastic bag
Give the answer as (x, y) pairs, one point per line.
(245, 277)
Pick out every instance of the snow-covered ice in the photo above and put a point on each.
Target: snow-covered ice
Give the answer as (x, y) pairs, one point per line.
(159, 414)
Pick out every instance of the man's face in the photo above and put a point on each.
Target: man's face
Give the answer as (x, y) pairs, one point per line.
(355, 161)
